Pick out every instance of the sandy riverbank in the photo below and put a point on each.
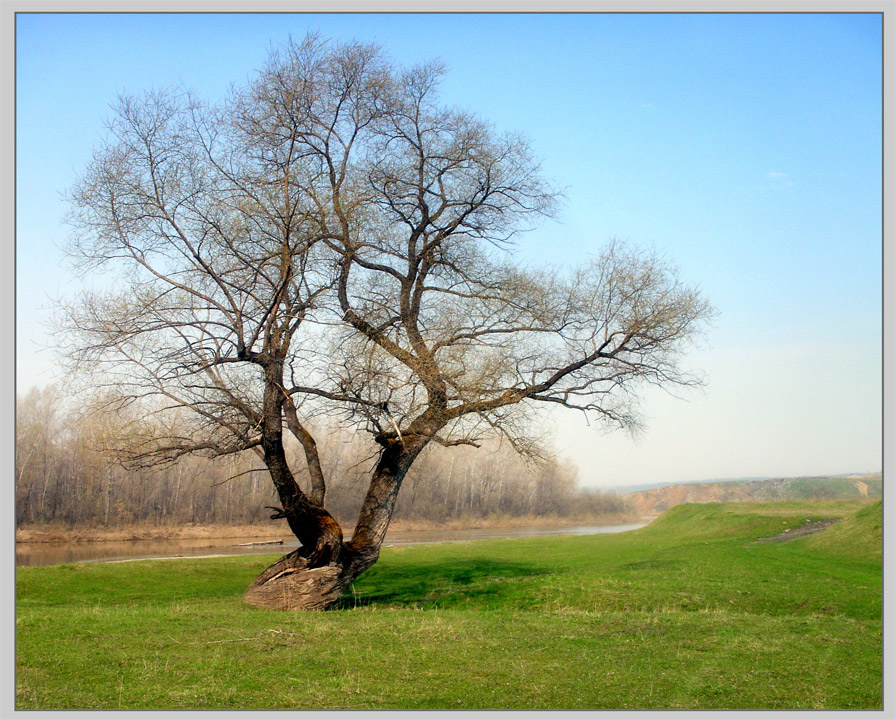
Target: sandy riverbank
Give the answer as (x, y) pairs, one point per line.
(276, 530)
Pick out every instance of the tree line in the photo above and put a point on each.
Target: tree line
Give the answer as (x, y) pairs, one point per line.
(64, 476)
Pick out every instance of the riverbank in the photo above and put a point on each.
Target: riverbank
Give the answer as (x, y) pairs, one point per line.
(686, 613)
(274, 530)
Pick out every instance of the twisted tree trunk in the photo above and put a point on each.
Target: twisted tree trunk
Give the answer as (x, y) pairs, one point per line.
(318, 573)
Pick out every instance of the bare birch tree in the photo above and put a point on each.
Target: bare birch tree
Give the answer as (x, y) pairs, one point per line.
(331, 240)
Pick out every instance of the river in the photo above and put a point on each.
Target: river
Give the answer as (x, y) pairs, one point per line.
(112, 551)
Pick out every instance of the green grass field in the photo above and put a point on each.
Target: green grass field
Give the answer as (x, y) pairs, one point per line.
(691, 612)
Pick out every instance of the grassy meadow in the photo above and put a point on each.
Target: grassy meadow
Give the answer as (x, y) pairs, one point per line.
(693, 611)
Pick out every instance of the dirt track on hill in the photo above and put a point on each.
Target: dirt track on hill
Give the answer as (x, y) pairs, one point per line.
(811, 528)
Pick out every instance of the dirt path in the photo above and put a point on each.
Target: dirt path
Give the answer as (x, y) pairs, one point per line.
(808, 529)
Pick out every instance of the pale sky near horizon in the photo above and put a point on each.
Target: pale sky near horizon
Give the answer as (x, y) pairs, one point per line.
(745, 148)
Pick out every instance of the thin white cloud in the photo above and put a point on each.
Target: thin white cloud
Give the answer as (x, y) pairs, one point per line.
(777, 180)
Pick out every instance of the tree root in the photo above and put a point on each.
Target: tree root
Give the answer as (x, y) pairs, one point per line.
(289, 584)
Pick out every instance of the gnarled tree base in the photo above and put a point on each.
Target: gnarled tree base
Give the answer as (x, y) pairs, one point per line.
(289, 584)
(316, 575)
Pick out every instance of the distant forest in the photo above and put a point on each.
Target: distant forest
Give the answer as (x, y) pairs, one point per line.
(64, 476)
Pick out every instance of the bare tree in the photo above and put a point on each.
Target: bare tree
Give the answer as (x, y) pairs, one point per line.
(332, 241)
(37, 458)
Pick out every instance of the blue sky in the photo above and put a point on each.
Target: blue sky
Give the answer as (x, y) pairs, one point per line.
(746, 148)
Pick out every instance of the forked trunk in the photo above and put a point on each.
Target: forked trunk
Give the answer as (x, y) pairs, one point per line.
(318, 573)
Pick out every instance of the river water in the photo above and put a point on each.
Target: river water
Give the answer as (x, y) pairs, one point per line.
(78, 552)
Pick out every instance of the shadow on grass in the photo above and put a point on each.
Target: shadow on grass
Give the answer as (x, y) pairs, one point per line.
(476, 582)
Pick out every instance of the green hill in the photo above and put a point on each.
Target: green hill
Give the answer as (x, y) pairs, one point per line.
(859, 535)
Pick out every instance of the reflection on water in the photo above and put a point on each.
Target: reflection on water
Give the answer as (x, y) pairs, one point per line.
(60, 553)
(435, 536)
